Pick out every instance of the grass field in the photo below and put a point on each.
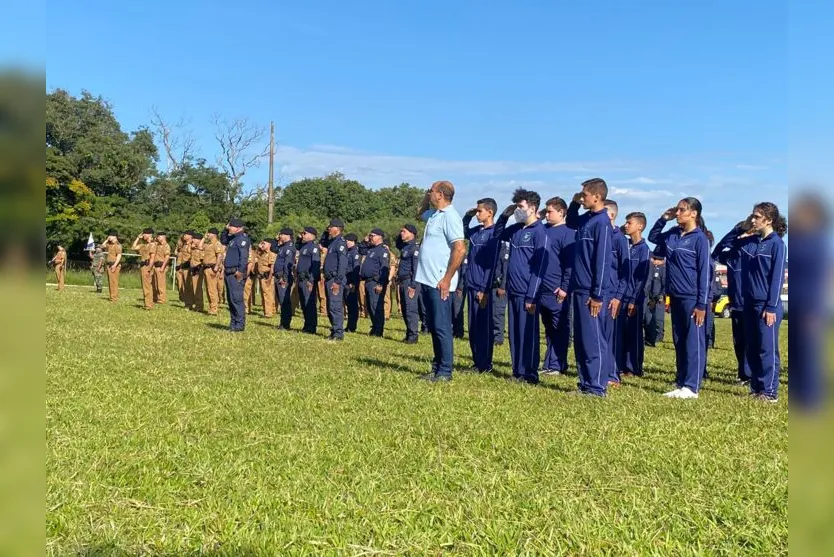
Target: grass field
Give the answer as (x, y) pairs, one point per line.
(168, 435)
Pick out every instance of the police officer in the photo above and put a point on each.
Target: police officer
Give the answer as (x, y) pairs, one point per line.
(351, 290)
(335, 275)
(146, 247)
(499, 293)
(97, 267)
(235, 266)
(284, 274)
(408, 289)
(264, 265)
(114, 264)
(195, 274)
(211, 249)
(309, 271)
(160, 268)
(374, 270)
(655, 301)
(183, 255)
(60, 263)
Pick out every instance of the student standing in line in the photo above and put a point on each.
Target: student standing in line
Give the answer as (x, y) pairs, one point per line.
(635, 297)
(687, 253)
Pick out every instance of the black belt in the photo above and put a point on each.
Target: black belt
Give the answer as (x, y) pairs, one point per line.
(158, 263)
(144, 263)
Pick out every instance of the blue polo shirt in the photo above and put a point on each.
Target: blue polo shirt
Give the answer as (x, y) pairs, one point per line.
(443, 228)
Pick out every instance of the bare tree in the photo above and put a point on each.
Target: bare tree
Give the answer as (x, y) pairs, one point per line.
(177, 141)
(242, 147)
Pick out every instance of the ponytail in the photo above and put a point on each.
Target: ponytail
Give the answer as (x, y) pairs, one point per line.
(695, 204)
(771, 212)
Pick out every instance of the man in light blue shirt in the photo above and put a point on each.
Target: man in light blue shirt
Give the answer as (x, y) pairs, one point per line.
(441, 254)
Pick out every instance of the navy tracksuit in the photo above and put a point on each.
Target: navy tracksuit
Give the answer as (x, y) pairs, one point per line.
(335, 270)
(459, 301)
(409, 307)
(762, 283)
(613, 326)
(374, 271)
(555, 315)
(633, 345)
(351, 291)
(655, 319)
(688, 284)
(480, 278)
(499, 303)
(525, 269)
(309, 272)
(236, 260)
(728, 254)
(714, 295)
(591, 265)
(283, 273)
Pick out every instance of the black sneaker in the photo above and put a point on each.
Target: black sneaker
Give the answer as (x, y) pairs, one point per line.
(409, 341)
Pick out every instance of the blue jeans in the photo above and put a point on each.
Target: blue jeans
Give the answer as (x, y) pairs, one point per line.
(439, 323)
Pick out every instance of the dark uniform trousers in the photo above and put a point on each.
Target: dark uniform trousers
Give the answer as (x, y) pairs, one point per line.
(654, 321)
(410, 310)
(499, 315)
(335, 308)
(376, 307)
(307, 293)
(283, 294)
(234, 295)
(458, 303)
(351, 300)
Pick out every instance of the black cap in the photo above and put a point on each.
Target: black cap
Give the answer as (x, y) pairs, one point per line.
(213, 230)
(268, 240)
(147, 230)
(161, 233)
(287, 231)
(311, 230)
(411, 228)
(350, 236)
(197, 236)
(111, 232)
(378, 232)
(338, 223)
(236, 222)
(189, 232)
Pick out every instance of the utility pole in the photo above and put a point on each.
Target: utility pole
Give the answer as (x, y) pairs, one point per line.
(270, 195)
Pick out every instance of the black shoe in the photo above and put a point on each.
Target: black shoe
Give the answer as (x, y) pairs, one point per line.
(434, 378)
(647, 343)
(409, 341)
(498, 343)
(335, 338)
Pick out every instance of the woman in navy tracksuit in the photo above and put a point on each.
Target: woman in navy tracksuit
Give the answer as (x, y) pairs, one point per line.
(688, 276)
(764, 276)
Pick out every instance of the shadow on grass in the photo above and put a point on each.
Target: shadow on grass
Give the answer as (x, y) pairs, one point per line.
(374, 362)
(217, 326)
(111, 549)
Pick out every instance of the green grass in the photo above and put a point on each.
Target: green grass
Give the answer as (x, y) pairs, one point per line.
(168, 435)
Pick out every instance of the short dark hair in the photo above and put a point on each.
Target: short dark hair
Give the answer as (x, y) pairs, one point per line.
(557, 203)
(596, 186)
(610, 203)
(489, 204)
(638, 216)
(531, 197)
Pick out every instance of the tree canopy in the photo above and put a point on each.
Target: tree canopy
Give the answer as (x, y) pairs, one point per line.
(99, 176)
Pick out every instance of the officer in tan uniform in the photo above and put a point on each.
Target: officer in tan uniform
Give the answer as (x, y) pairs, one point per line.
(221, 284)
(195, 275)
(322, 295)
(266, 280)
(249, 287)
(183, 276)
(114, 264)
(60, 263)
(160, 268)
(392, 282)
(211, 248)
(146, 247)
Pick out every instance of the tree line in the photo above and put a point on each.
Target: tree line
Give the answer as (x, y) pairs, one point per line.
(99, 176)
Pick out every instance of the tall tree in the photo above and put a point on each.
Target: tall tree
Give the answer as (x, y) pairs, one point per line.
(242, 147)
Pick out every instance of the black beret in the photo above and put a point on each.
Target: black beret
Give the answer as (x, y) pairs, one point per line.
(287, 231)
(378, 232)
(197, 236)
(311, 230)
(112, 232)
(268, 240)
(189, 232)
(338, 223)
(236, 222)
(351, 237)
(411, 228)
(213, 230)
(148, 230)
(161, 233)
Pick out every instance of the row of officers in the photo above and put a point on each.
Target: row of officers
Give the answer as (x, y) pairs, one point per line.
(334, 275)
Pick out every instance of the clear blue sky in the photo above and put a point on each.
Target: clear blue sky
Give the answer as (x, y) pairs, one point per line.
(663, 99)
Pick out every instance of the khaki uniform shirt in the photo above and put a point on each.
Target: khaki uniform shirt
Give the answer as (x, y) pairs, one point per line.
(113, 251)
(265, 261)
(211, 252)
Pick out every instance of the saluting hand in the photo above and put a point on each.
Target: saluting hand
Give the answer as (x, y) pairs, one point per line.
(670, 213)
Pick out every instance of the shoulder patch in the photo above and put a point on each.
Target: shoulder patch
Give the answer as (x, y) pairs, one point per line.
(385, 254)
(506, 256)
(342, 248)
(416, 252)
(315, 250)
(242, 243)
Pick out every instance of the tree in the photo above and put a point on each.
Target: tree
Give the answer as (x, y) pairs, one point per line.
(241, 149)
(178, 144)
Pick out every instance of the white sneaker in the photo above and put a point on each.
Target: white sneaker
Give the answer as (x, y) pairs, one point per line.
(673, 394)
(686, 392)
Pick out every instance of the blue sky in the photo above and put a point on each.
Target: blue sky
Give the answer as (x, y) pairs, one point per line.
(662, 99)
